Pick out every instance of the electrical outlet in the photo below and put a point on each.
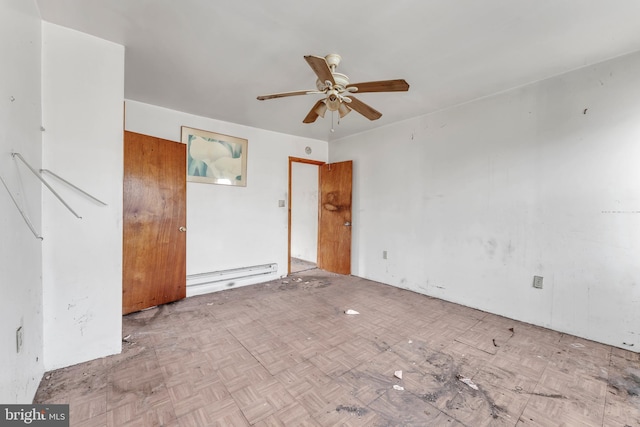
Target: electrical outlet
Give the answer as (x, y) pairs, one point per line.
(19, 339)
(281, 203)
(537, 282)
(384, 254)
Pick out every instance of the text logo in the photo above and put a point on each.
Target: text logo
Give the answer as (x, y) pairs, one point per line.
(34, 415)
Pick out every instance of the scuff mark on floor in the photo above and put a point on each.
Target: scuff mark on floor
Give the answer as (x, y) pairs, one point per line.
(356, 410)
(439, 386)
(629, 383)
(549, 395)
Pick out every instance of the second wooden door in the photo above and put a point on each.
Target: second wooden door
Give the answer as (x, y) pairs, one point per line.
(334, 222)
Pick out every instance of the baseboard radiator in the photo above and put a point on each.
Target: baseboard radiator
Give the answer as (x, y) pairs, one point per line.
(213, 281)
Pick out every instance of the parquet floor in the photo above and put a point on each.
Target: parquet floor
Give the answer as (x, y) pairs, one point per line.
(285, 353)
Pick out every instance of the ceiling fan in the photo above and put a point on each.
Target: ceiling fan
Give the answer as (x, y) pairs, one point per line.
(338, 91)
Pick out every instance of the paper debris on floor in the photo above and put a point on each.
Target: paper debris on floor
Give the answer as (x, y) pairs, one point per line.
(351, 312)
(398, 374)
(398, 387)
(468, 382)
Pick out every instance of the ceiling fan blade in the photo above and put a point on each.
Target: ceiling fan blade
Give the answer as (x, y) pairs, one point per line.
(283, 94)
(319, 66)
(315, 111)
(364, 109)
(399, 85)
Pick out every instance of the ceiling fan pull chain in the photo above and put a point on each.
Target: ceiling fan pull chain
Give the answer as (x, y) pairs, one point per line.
(333, 113)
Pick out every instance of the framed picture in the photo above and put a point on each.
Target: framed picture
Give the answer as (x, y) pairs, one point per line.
(214, 158)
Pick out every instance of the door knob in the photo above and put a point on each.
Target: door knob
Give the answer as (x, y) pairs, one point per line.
(347, 223)
(182, 229)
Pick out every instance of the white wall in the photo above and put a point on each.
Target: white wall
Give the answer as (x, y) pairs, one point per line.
(231, 227)
(83, 100)
(472, 202)
(20, 251)
(304, 211)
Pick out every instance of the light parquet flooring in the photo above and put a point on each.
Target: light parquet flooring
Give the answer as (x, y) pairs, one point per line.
(284, 353)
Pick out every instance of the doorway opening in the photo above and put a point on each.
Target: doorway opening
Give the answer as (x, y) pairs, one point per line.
(303, 214)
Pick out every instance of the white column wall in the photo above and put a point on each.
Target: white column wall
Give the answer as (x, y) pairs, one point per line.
(232, 227)
(20, 251)
(83, 101)
(473, 201)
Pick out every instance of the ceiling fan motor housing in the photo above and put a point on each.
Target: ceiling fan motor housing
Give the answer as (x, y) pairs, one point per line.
(341, 83)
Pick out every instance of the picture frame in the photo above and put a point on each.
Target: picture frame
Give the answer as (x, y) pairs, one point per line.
(214, 158)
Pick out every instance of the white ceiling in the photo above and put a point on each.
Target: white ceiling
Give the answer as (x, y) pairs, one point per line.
(213, 57)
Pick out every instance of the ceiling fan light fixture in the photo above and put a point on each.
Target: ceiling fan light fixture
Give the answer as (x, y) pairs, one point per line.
(343, 110)
(321, 109)
(333, 100)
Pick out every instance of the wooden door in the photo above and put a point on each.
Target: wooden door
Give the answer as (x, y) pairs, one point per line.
(334, 222)
(154, 221)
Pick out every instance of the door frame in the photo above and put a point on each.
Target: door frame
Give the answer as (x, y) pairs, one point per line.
(291, 161)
